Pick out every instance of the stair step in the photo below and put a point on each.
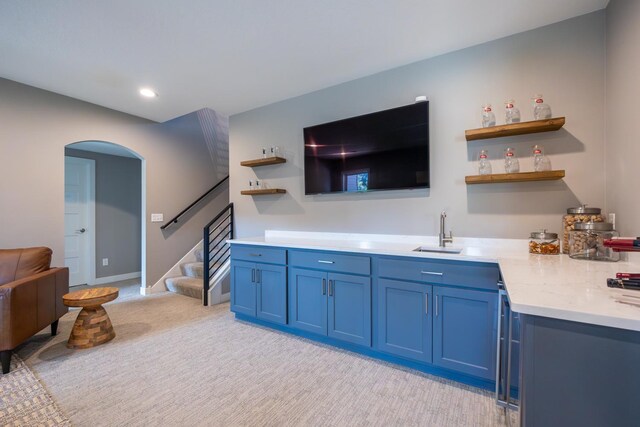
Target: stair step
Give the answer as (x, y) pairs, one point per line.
(200, 255)
(189, 286)
(193, 269)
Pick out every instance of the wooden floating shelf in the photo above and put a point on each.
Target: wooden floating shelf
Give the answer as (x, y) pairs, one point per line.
(514, 177)
(263, 191)
(263, 162)
(523, 128)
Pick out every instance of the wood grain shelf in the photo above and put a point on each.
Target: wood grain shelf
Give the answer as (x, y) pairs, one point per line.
(263, 191)
(514, 177)
(523, 128)
(263, 162)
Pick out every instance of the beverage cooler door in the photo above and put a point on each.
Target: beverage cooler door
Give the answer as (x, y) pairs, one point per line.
(508, 350)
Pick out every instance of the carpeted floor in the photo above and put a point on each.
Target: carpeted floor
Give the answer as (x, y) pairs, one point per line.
(175, 362)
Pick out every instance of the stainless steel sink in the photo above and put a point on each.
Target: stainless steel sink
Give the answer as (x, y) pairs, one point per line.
(437, 249)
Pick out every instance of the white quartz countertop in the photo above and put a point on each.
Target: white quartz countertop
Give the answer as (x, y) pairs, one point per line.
(553, 286)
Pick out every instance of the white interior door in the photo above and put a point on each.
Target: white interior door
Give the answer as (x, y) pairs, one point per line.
(79, 218)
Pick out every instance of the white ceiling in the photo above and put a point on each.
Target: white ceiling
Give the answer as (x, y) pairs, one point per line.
(235, 55)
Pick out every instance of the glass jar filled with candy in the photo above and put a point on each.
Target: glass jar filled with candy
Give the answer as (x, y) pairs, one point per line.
(544, 243)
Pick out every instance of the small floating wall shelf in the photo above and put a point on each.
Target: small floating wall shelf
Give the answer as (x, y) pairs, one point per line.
(263, 191)
(514, 177)
(522, 128)
(263, 162)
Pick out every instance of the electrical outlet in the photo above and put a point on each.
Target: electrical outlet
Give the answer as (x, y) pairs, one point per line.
(157, 217)
(105, 262)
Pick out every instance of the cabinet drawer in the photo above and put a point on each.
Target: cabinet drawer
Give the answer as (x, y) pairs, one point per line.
(259, 254)
(331, 262)
(475, 275)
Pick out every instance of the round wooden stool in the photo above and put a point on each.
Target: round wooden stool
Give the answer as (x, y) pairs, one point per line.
(93, 326)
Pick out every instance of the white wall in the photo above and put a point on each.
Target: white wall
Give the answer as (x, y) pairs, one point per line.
(623, 109)
(564, 61)
(35, 126)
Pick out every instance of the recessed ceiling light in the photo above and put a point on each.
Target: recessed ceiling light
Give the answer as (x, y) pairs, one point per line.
(148, 93)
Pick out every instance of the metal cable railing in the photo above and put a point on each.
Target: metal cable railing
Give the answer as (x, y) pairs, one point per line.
(216, 249)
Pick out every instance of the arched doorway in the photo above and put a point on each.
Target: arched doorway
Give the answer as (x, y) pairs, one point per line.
(105, 208)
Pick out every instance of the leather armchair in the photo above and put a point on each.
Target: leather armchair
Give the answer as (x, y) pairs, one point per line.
(30, 297)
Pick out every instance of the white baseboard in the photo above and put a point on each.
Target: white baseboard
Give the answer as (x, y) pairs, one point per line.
(117, 278)
(150, 290)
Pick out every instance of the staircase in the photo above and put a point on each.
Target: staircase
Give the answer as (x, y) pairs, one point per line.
(191, 283)
(207, 281)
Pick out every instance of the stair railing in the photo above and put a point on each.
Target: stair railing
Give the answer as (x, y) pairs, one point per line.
(175, 219)
(216, 250)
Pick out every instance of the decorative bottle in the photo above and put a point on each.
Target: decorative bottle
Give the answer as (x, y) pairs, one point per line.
(541, 111)
(488, 118)
(541, 162)
(511, 163)
(484, 168)
(512, 114)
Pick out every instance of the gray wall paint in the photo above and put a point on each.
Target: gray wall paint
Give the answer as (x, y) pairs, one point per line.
(623, 91)
(35, 126)
(564, 61)
(118, 212)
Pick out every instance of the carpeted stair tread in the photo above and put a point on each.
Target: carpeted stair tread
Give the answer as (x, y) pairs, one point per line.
(189, 286)
(193, 269)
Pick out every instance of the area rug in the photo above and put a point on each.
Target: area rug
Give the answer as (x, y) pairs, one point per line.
(24, 401)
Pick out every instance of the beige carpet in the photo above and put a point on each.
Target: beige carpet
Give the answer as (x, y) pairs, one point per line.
(174, 362)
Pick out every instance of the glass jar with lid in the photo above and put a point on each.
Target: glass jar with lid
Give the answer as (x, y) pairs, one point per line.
(574, 215)
(544, 243)
(586, 241)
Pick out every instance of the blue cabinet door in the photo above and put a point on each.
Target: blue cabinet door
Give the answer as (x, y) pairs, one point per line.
(243, 288)
(349, 308)
(308, 300)
(404, 319)
(272, 293)
(465, 331)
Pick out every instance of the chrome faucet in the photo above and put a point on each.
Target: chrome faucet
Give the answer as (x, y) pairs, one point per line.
(442, 237)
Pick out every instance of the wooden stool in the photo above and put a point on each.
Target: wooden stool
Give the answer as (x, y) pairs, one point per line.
(93, 326)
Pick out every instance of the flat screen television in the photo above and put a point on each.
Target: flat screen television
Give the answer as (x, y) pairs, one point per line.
(386, 150)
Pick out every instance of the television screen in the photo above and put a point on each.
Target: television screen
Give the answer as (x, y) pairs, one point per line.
(386, 150)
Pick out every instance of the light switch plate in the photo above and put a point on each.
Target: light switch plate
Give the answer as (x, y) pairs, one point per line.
(105, 262)
(157, 217)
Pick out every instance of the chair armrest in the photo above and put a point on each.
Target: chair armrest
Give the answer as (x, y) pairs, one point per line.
(30, 304)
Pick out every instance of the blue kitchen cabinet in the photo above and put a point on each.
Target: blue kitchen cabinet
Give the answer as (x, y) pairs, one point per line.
(331, 304)
(243, 288)
(465, 330)
(404, 322)
(259, 290)
(308, 300)
(271, 293)
(349, 308)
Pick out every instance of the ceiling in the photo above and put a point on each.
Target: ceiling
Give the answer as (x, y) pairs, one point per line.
(104, 148)
(235, 55)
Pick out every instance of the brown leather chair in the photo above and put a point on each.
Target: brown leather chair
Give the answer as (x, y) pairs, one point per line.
(30, 297)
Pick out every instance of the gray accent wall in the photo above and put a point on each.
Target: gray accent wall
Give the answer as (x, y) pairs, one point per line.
(35, 127)
(118, 202)
(623, 111)
(564, 61)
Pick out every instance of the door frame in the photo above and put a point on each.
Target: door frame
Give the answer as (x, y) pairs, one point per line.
(91, 215)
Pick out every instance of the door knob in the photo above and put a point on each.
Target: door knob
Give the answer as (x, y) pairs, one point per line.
(82, 230)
